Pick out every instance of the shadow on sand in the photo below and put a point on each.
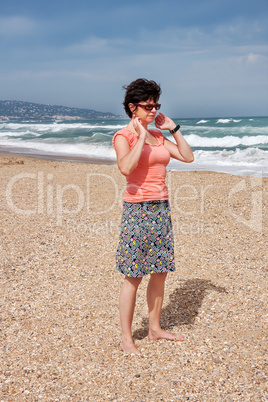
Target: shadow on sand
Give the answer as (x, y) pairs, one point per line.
(183, 307)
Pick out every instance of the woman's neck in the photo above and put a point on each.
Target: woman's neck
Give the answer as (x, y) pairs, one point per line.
(131, 127)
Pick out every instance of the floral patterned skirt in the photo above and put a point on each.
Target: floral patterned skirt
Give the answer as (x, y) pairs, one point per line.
(146, 244)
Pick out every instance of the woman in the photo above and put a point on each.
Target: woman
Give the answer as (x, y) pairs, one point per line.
(146, 240)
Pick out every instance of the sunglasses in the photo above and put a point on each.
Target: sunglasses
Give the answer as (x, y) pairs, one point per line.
(149, 107)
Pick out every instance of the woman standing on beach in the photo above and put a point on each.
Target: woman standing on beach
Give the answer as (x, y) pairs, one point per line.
(146, 239)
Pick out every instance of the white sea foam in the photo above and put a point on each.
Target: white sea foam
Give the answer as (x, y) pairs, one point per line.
(7, 134)
(55, 126)
(245, 157)
(202, 121)
(225, 142)
(225, 121)
(62, 149)
(251, 161)
(99, 134)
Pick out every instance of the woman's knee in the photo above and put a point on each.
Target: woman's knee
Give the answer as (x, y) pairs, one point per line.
(133, 282)
(158, 276)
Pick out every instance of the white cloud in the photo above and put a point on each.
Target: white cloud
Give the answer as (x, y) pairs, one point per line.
(93, 43)
(16, 26)
(227, 38)
(253, 58)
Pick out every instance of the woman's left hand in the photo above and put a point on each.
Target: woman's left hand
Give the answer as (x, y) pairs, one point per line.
(163, 122)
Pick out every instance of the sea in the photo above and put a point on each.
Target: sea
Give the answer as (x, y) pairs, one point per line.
(234, 145)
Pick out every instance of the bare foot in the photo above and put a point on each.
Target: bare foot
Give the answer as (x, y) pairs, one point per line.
(129, 347)
(161, 334)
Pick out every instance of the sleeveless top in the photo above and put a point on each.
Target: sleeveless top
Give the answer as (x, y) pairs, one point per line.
(147, 181)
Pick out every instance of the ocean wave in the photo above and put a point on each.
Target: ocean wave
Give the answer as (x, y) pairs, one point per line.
(57, 126)
(85, 148)
(245, 157)
(100, 135)
(227, 141)
(66, 149)
(206, 128)
(241, 161)
(225, 121)
(202, 121)
(249, 162)
(233, 144)
(28, 126)
(100, 138)
(8, 134)
(212, 132)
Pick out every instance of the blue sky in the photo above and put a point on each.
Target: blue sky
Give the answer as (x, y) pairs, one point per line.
(210, 56)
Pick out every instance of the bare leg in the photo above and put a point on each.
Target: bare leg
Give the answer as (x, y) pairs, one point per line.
(127, 301)
(155, 296)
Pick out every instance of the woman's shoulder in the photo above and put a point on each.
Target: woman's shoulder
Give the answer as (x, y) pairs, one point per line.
(127, 134)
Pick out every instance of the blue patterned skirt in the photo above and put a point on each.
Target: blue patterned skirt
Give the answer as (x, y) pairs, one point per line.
(146, 244)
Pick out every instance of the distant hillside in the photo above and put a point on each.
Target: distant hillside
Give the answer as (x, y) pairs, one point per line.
(19, 110)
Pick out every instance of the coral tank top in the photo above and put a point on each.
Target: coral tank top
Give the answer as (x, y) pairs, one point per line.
(147, 181)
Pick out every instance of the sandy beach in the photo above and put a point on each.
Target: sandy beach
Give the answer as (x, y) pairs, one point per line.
(60, 327)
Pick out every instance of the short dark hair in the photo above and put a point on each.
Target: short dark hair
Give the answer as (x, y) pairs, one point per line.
(140, 90)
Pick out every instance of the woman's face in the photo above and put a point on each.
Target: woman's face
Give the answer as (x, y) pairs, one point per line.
(146, 116)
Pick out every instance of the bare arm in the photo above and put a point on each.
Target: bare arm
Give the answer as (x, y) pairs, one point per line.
(127, 158)
(181, 150)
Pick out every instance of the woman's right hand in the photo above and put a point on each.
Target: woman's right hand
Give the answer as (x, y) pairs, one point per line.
(140, 130)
